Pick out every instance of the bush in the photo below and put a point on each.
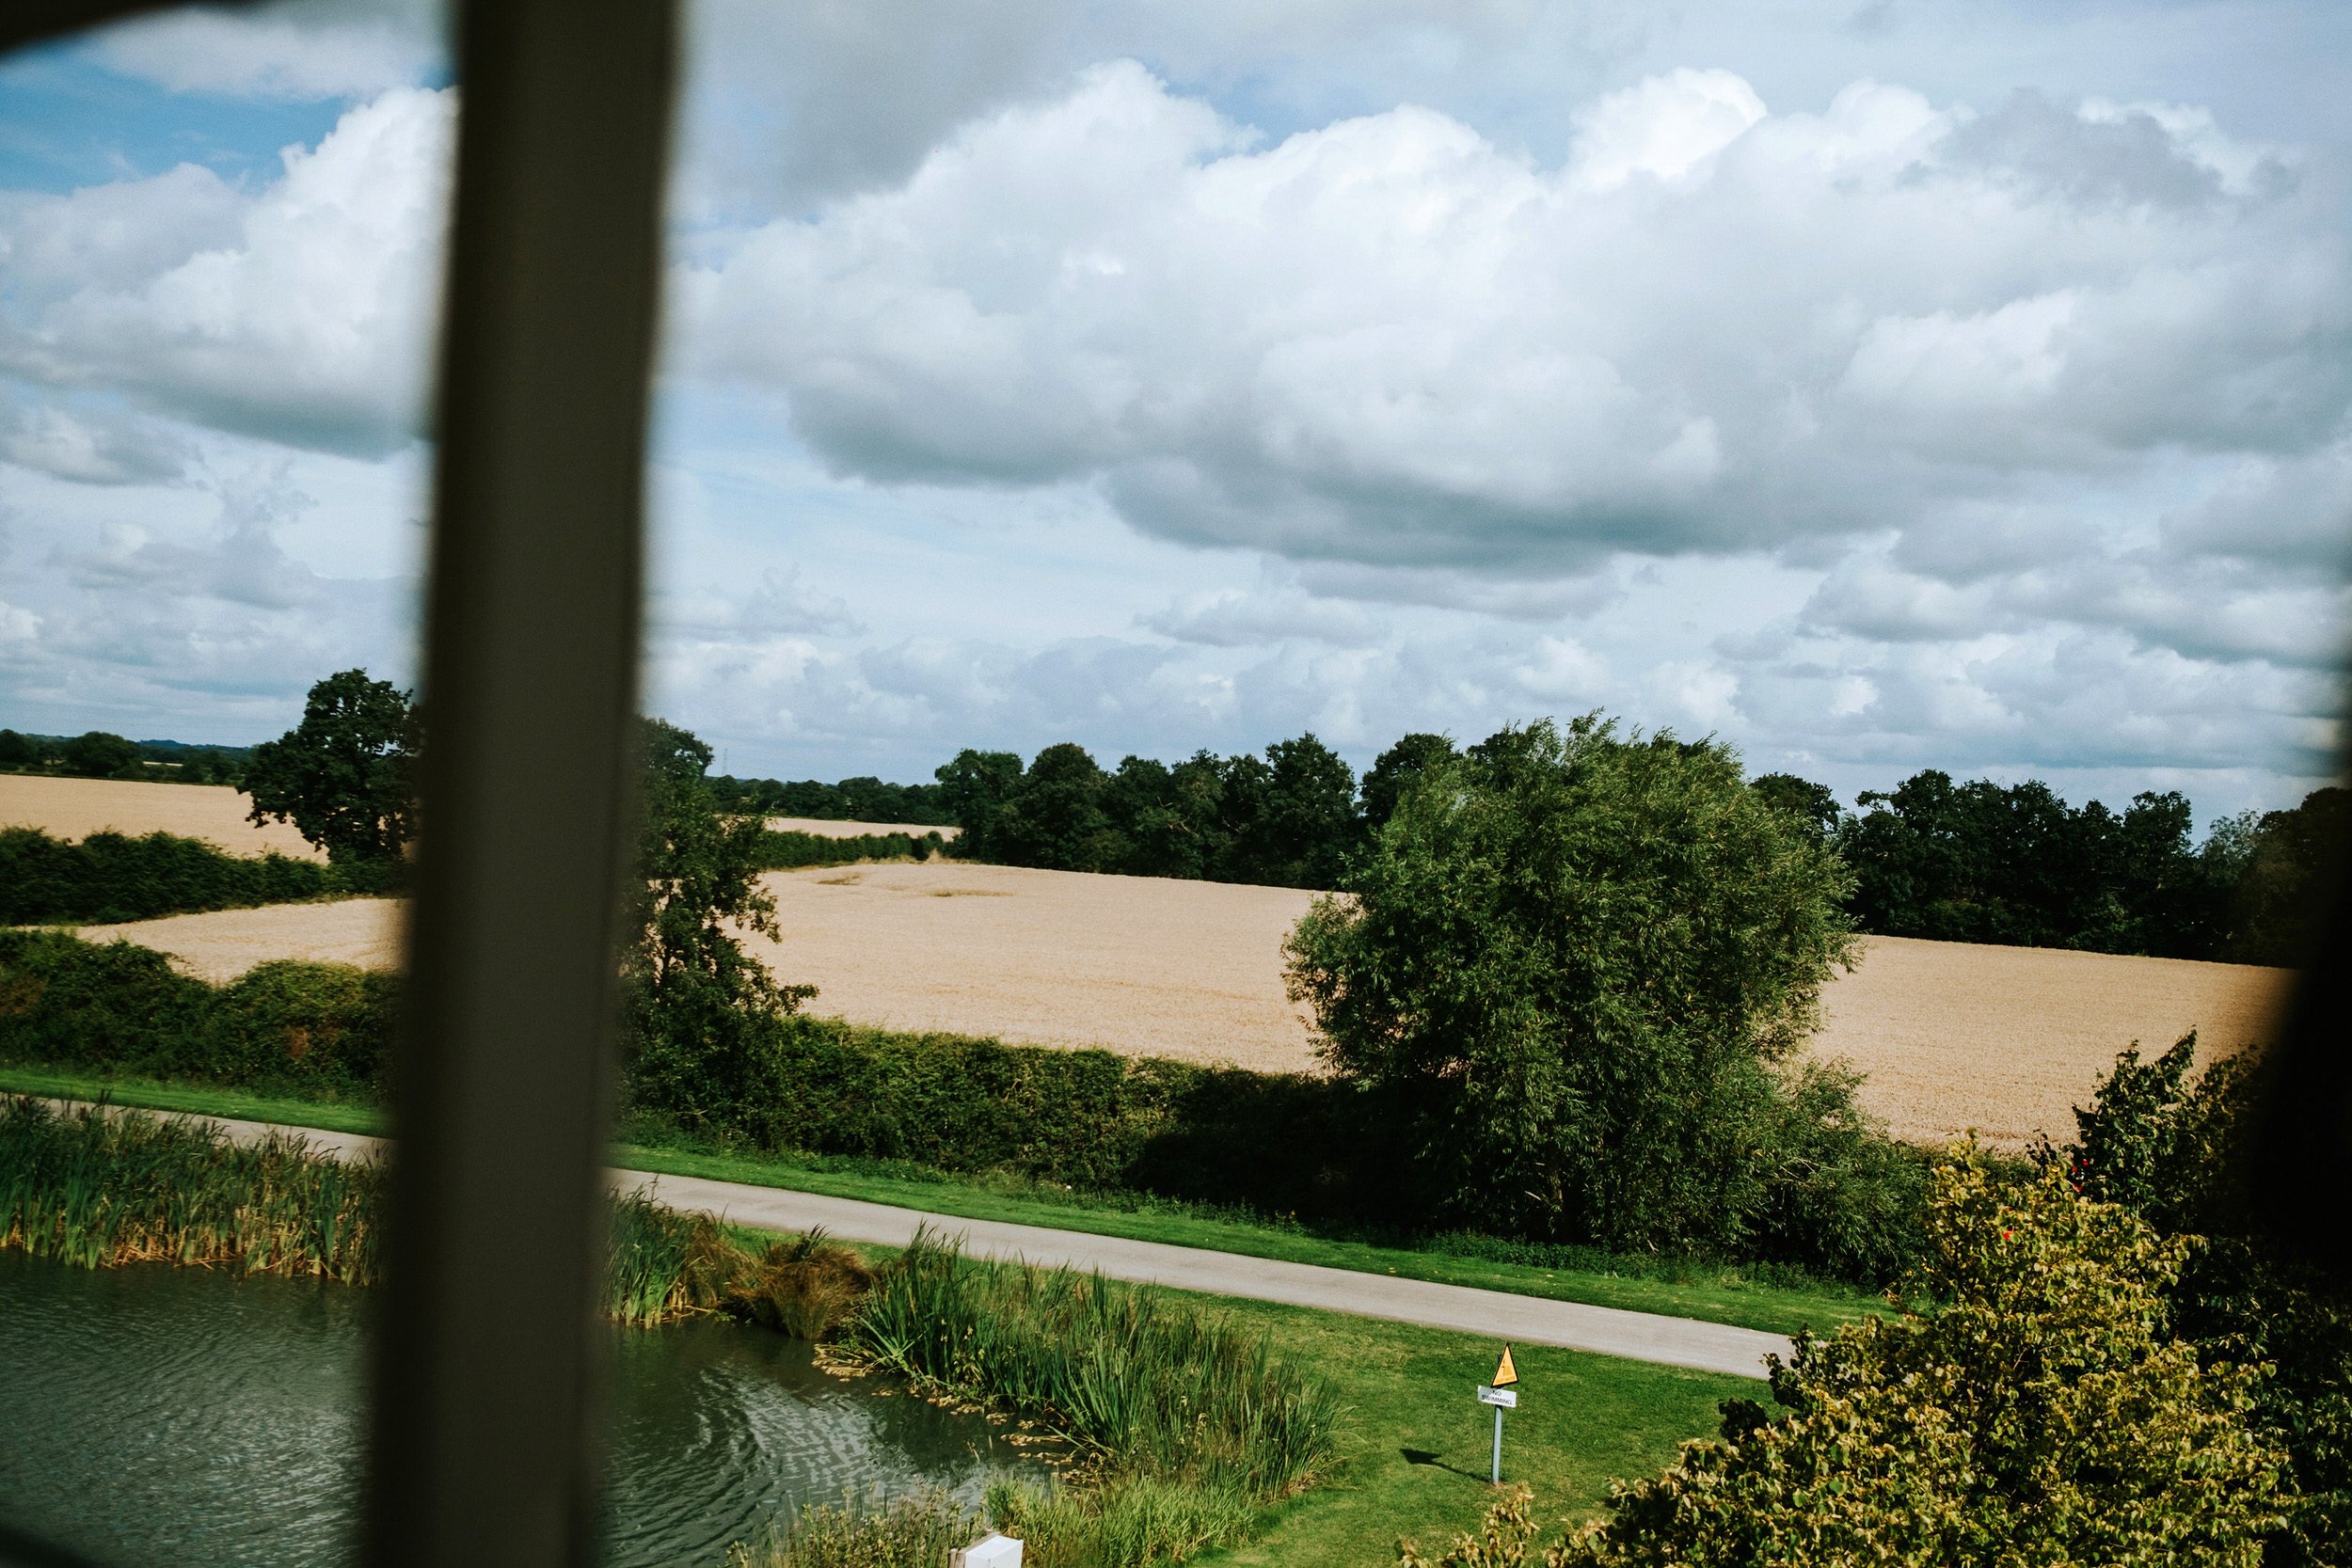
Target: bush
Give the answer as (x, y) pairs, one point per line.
(2042, 1413)
(1576, 958)
(783, 852)
(321, 1031)
(108, 877)
(2174, 1147)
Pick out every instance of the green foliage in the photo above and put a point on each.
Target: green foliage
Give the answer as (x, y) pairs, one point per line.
(1981, 861)
(317, 1030)
(19, 752)
(1126, 1374)
(1502, 1540)
(108, 877)
(2278, 869)
(788, 851)
(2174, 1147)
(1808, 803)
(859, 799)
(700, 1010)
(2041, 1413)
(1576, 958)
(97, 1190)
(98, 754)
(913, 1531)
(345, 776)
(1396, 771)
(1287, 819)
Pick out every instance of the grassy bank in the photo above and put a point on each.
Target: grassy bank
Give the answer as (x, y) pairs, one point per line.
(1751, 1298)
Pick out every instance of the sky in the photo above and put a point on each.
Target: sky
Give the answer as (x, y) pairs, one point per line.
(1962, 384)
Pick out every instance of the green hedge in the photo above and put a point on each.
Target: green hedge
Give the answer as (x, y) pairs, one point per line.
(318, 1031)
(791, 851)
(109, 876)
(1280, 1144)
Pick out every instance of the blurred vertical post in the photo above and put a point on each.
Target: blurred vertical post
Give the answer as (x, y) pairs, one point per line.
(486, 1436)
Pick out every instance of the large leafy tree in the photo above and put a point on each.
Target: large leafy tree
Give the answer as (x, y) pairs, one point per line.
(1573, 957)
(701, 1047)
(345, 776)
(100, 755)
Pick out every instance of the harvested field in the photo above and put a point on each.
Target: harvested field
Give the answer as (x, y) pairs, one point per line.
(224, 943)
(819, 827)
(76, 808)
(2007, 1039)
(2002, 1039)
(1143, 964)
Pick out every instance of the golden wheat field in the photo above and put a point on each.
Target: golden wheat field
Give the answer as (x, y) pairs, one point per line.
(75, 808)
(817, 827)
(1952, 1036)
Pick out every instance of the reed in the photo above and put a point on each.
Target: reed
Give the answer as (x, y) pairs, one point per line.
(97, 1188)
(915, 1532)
(1127, 1375)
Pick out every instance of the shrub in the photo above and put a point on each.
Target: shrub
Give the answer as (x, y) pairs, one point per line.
(1576, 957)
(108, 877)
(791, 851)
(2042, 1413)
(2174, 1147)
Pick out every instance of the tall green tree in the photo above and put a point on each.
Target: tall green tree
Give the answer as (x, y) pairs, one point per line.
(1396, 771)
(701, 1045)
(1574, 959)
(974, 789)
(1054, 817)
(345, 776)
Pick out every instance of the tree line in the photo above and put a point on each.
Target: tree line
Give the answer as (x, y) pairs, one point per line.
(2011, 865)
(859, 799)
(102, 754)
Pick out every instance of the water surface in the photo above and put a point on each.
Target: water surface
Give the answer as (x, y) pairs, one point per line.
(155, 1413)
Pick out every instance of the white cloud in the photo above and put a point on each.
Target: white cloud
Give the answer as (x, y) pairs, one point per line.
(305, 50)
(1388, 341)
(301, 312)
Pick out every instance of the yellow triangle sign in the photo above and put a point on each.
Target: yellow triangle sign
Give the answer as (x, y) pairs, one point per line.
(1506, 1373)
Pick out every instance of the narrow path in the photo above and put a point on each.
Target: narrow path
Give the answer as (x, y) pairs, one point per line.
(1493, 1314)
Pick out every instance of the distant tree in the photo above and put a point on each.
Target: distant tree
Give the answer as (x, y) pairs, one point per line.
(1306, 828)
(700, 1043)
(1396, 771)
(974, 789)
(345, 776)
(17, 752)
(1054, 817)
(98, 754)
(1810, 803)
(1573, 959)
(2281, 868)
(1165, 817)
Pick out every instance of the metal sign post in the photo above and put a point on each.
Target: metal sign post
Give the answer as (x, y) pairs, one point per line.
(1502, 1396)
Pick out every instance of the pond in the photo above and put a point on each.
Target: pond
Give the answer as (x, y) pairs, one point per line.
(154, 1414)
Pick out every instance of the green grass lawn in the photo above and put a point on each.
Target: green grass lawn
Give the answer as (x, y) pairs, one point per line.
(1716, 1293)
(1415, 1443)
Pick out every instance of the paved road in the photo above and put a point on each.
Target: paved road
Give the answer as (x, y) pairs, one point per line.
(1492, 1314)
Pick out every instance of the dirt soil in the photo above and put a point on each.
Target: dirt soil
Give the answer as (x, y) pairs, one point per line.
(75, 808)
(1952, 1035)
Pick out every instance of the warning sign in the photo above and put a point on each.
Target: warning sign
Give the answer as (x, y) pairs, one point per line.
(1506, 1373)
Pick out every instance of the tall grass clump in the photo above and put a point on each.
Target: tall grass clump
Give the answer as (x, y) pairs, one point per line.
(913, 1531)
(1128, 1376)
(96, 1190)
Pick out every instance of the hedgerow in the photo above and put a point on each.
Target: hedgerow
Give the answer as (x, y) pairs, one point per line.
(108, 877)
(1299, 1145)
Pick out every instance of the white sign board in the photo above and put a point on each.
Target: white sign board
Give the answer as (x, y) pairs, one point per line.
(990, 1551)
(1507, 1398)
